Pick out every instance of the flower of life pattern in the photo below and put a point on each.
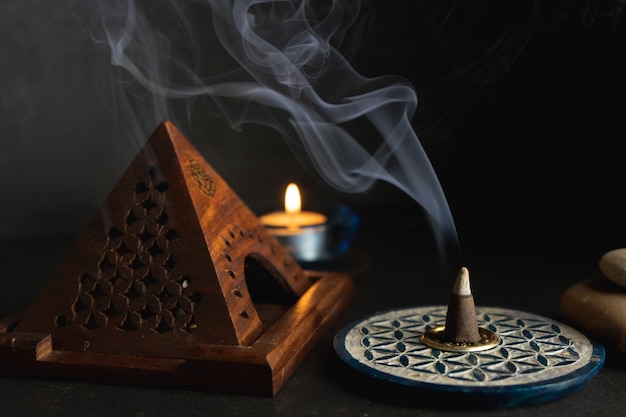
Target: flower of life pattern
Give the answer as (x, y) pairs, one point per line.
(532, 348)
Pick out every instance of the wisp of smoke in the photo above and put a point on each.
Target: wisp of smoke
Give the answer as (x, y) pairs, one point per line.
(289, 75)
(275, 63)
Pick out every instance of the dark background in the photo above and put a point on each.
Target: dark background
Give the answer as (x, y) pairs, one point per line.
(519, 111)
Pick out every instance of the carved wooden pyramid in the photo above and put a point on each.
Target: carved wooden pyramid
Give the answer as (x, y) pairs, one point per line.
(175, 270)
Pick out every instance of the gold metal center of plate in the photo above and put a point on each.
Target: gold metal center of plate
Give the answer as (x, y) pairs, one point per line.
(434, 338)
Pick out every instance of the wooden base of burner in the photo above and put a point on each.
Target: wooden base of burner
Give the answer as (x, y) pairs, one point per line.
(174, 282)
(259, 369)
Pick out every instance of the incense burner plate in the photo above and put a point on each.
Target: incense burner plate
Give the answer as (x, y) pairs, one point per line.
(536, 360)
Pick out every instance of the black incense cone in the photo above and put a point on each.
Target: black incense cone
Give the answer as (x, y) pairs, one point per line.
(461, 322)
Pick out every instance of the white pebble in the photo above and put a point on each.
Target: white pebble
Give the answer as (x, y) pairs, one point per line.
(613, 266)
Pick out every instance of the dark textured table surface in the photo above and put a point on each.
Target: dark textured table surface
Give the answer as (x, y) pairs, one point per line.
(393, 264)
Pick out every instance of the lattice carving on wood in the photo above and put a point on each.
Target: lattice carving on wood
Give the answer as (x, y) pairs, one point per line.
(163, 262)
(134, 284)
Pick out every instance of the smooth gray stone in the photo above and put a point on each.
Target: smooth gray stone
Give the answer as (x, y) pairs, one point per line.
(599, 307)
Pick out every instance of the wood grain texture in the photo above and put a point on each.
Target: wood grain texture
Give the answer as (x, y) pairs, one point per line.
(175, 282)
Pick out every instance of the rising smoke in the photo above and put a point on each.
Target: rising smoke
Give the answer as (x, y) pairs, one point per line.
(122, 67)
(125, 66)
(289, 75)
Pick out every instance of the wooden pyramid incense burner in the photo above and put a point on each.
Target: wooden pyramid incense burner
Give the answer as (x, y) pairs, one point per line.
(174, 282)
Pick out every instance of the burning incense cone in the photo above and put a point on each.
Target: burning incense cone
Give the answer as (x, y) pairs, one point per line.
(461, 332)
(461, 322)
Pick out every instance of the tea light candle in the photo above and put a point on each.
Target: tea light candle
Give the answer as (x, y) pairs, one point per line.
(293, 217)
(302, 233)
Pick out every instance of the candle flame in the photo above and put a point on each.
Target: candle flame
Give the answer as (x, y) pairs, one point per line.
(293, 204)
